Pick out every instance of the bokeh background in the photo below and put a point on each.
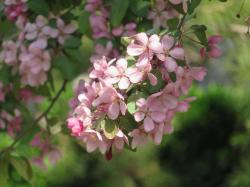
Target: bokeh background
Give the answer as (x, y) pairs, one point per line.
(210, 146)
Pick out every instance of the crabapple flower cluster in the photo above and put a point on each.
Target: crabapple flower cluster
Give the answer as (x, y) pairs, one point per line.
(132, 99)
(29, 54)
(100, 26)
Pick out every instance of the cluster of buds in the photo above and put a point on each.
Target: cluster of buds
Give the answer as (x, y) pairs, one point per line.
(15, 9)
(132, 99)
(12, 123)
(30, 54)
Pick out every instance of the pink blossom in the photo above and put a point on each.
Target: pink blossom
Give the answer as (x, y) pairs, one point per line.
(108, 51)
(14, 123)
(29, 97)
(119, 140)
(214, 51)
(64, 30)
(14, 9)
(145, 48)
(92, 5)
(37, 29)
(99, 26)
(116, 104)
(170, 53)
(100, 68)
(119, 74)
(127, 30)
(161, 13)
(140, 138)
(34, 65)
(150, 116)
(76, 126)
(9, 53)
(93, 141)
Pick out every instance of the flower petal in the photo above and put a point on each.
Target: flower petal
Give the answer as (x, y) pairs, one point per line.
(177, 53)
(124, 83)
(113, 111)
(148, 124)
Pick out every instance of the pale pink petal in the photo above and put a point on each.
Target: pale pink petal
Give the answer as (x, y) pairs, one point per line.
(170, 102)
(119, 143)
(148, 124)
(198, 73)
(124, 83)
(142, 38)
(122, 63)
(69, 29)
(41, 21)
(167, 42)
(91, 146)
(135, 49)
(123, 107)
(154, 44)
(139, 116)
(170, 64)
(158, 116)
(113, 71)
(136, 76)
(177, 53)
(113, 111)
(152, 78)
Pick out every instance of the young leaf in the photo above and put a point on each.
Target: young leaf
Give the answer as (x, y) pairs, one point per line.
(139, 7)
(119, 9)
(39, 7)
(200, 33)
(192, 5)
(22, 166)
(83, 23)
(127, 122)
(72, 43)
(66, 67)
(110, 128)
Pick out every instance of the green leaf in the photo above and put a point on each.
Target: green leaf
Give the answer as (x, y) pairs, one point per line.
(127, 123)
(67, 68)
(200, 33)
(139, 7)
(4, 174)
(72, 43)
(192, 5)
(83, 23)
(5, 74)
(39, 7)
(22, 166)
(110, 128)
(119, 9)
(132, 108)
